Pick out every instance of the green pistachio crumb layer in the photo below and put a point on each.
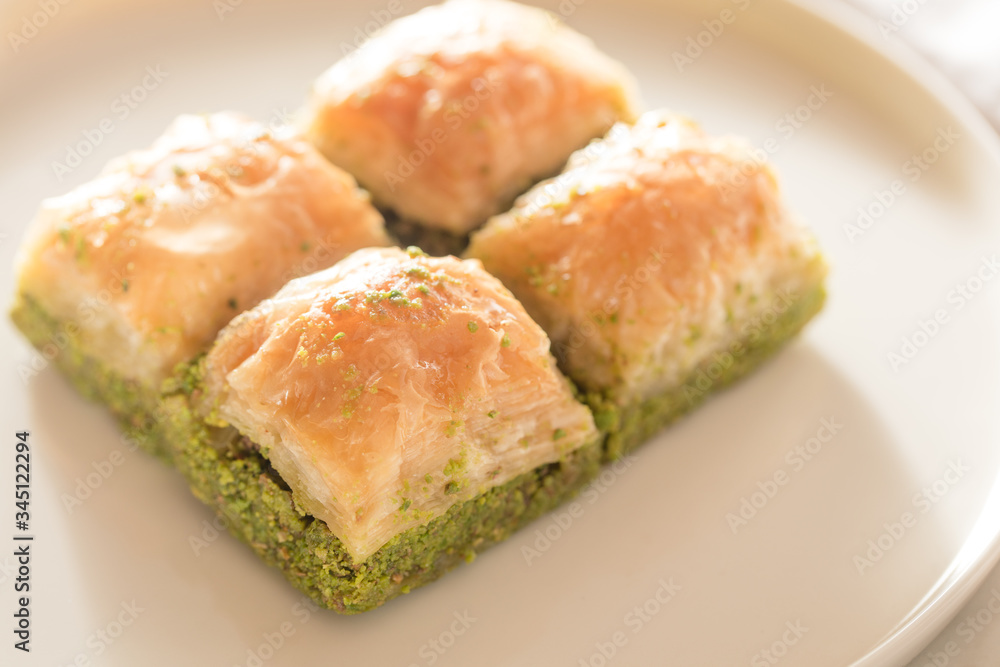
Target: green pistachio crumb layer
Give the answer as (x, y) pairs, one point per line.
(627, 424)
(228, 473)
(134, 404)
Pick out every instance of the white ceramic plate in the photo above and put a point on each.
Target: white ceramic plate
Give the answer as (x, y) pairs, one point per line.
(653, 569)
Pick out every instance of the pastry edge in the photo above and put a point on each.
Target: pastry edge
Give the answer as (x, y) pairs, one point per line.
(227, 473)
(628, 423)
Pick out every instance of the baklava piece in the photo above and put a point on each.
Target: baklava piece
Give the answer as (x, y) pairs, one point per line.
(448, 114)
(662, 264)
(374, 424)
(131, 274)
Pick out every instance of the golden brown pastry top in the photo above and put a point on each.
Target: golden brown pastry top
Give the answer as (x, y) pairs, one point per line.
(154, 256)
(447, 114)
(649, 252)
(391, 386)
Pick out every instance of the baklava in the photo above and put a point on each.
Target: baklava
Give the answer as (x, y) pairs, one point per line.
(135, 272)
(448, 114)
(663, 265)
(376, 423)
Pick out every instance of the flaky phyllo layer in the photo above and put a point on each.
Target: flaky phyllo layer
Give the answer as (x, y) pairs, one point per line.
(147, 262)
(656, 248)
(447, 114)
(390, 387)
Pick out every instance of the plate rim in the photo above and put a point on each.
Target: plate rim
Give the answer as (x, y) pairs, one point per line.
(964, 576)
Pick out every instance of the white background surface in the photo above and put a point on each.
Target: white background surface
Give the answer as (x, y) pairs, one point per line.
(962, 39)
(131, 539)
(957, 36)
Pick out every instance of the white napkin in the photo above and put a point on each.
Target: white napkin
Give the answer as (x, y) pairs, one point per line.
(960, 37)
